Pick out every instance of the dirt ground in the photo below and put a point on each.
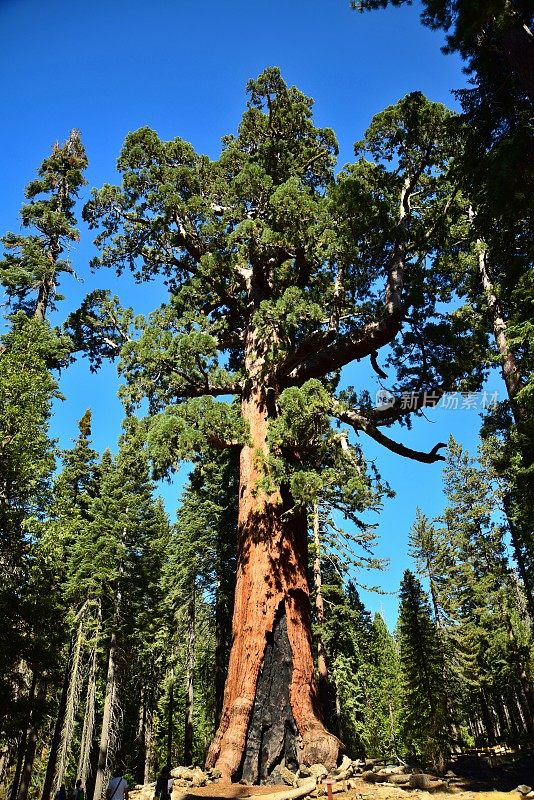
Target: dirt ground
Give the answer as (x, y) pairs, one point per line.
(362, 791)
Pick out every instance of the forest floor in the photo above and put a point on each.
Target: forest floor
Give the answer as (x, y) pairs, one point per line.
(362, 791)
(470, 778)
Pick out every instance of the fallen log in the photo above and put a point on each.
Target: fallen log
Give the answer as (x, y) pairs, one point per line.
(291, 794)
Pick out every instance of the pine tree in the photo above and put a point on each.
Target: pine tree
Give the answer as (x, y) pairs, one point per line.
(347, 638)
(201, 565)
(480, 594)
(382, 698)
(28, 635)
(32, 265)
(75, 488)
(424, 708)
(30, 600)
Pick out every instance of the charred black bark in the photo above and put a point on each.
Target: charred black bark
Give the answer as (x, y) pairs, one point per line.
(272, 733)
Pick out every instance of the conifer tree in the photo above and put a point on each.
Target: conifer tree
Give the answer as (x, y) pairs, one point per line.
(281, 274)
(382, 698)
(75, 488)
(32, 264)
(494, 164)
(480, 594)
(424, 708)
(201, 564)
(29, 273)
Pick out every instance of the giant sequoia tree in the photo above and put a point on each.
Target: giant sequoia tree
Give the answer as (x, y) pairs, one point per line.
(280, 274)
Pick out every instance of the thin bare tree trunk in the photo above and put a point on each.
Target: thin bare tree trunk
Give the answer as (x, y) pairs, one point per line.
(487, 718)
(510, 370)
(56, 736)
(326, 689)
(221, 627)
(21, 750)
(148, 744)
(84, 760)
(31, 745)
(109, 701)
(189, 678)
(71, 706)
(170, 720)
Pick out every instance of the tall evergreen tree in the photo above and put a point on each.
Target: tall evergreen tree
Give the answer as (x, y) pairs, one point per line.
(383, 700)
(32, 265)
(28, 273)
(480, 597)
(424, 708)
(200, 566)
(494, 164)
(274, 268)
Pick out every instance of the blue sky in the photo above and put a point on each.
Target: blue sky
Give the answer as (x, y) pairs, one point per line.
(181, 67)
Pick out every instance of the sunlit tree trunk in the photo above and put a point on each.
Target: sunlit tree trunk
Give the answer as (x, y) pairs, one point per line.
(86, 743)
(107, 717)
(58, 726)
(71, 706)
(271, 590)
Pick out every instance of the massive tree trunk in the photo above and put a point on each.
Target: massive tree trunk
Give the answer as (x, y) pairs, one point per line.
(271, 605)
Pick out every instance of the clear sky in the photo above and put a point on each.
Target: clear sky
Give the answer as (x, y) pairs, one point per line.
(179, 66)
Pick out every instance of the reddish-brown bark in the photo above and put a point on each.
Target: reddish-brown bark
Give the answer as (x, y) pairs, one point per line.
(271, 569)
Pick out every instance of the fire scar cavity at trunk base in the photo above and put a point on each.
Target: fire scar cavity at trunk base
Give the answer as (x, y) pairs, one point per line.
(270, 634)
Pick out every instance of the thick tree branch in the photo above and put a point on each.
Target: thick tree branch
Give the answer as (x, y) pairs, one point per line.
(325, 352)
(220, 443)
(360, 423)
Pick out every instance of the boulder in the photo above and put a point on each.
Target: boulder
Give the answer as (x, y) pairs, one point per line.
(524, 789)
(421, 780)
(346, 764)
(304, 771)
(392, 769)
(189, 776)
(398, 780)
(183, 773)
(289, 778)
(318, 771)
